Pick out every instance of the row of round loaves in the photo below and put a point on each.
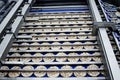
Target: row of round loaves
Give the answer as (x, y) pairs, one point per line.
(53, 47)
(56, 30)
(62, 42)
(52, 73)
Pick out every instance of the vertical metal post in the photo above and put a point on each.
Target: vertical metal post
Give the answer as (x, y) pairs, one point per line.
(106, 47)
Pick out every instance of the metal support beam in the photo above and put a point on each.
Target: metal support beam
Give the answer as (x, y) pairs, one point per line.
(9, 38)
(9, 17)
(80, 78)
(5, 45)
(97, 25)
(108, 54)
(116, 40)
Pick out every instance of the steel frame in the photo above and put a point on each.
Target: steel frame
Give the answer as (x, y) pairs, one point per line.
(108, 54)
(10, 37)
(6, 22)
(117, 42)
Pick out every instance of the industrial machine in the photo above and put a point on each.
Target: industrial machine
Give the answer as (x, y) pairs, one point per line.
(59, 40)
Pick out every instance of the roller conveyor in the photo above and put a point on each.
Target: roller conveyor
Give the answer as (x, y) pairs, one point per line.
(111, 12)
(57, 43)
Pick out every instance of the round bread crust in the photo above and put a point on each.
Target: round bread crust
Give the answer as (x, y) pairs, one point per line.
(66, 73)
(49, 59)
(26, 59)
(80, 73)
(85, 59)
(3, 74)
(73, 59)
(53, 74)
(93, 73)
(14, 74)
(27, 74)
(97, 59)
(40, 73)
(61, 59)
(37, 59)
(14, 59)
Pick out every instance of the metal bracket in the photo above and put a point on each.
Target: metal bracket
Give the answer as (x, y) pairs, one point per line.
(97, 25)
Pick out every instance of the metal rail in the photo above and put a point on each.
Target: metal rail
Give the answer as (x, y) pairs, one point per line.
(117, 42)
(6, 22)
(50, 63)
(4, 11)
(83, 50)
(106, 48)
(82, 78)
(10, 37)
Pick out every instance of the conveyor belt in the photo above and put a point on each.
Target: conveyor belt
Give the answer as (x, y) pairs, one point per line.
(111, 16)
(55, 44)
